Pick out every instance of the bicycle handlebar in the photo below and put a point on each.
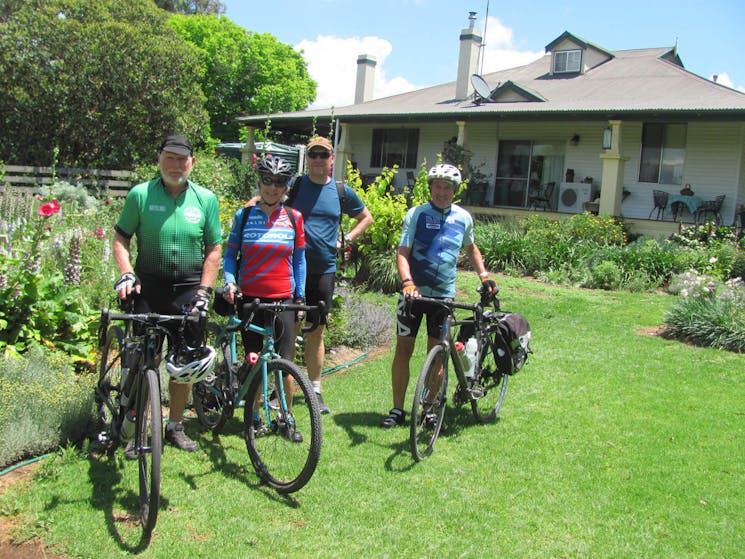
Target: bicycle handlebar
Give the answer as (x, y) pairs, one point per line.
(277, 307)
(152, 319)
(447, 303)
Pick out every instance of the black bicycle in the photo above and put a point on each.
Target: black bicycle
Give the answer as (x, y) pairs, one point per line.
(128, 394)
(282, 417)
(499, 352)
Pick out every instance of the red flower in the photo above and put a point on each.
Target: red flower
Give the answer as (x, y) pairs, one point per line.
(49, 209)
(107, 201)
(99, 233)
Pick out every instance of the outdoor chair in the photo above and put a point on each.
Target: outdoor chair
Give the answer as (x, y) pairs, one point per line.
(543, 197)
(713, 207)
(660, 203)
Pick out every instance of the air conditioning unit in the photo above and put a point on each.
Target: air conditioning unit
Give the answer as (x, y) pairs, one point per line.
(573, 195)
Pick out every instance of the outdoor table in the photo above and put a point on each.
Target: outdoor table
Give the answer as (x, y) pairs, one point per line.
(676, 201)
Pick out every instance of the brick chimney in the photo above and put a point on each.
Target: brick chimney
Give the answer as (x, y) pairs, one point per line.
(365, 78)
(468, 60)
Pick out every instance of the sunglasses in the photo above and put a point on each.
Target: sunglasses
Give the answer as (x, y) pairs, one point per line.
(319, 154)
(280, 181)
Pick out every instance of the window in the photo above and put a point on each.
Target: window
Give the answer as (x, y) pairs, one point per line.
(567, 61)
(663, 153)
(395, 146)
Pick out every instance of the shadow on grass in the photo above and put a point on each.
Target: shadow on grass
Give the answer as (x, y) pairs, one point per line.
(105, 476)
(243, 472)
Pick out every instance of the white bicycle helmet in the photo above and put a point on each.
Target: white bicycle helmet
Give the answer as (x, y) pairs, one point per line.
(444, 171)
(192, 365)
(273, 165)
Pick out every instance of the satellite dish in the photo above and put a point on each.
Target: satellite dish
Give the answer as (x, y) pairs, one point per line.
(480, 87)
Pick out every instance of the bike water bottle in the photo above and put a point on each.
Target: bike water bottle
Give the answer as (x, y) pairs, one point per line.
(128, 426)
(459, 347)
(471, 348)
(252, 358)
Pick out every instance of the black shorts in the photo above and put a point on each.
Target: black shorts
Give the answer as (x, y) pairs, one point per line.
(165, 298)
(408, 325)
(319, 287)
(284, 329)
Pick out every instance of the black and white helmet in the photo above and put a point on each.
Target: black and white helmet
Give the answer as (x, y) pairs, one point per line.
(273, 165)
(192, 365)
(444, 171)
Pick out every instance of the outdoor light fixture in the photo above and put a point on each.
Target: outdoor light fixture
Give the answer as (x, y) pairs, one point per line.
(607, 137)
(575, 139)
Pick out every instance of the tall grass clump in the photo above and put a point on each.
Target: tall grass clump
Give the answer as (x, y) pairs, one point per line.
(43, 404)
(708, 312)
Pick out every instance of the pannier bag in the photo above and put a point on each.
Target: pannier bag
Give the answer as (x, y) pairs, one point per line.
(516, 333)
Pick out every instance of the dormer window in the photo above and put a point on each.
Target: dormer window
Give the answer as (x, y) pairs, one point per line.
(566, 61)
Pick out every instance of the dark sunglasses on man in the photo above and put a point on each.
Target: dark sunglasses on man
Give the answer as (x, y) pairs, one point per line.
(281, 182)
(319, 154)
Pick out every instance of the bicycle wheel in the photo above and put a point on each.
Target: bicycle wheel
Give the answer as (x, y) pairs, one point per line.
(285, 447)
(490, 384)
(428, 409)
(149, 446)
(108, 387)
(213, 396)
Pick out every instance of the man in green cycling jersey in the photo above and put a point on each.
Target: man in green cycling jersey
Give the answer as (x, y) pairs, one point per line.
(179, 244)
(427, 258)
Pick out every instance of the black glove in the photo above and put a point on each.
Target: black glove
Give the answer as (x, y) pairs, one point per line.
(299, 315)
(488, 290)
(200, 302)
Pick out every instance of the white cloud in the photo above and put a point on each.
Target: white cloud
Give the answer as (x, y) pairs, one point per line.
(332, 62)
(500, 52)
(725, 80)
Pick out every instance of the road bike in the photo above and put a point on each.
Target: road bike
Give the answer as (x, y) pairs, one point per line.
(498, 354)
(128, 393)
(282, 417)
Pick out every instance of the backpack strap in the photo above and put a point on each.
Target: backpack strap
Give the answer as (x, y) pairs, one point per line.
(244, 219)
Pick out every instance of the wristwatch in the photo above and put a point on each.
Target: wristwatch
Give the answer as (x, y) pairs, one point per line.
(206, 288)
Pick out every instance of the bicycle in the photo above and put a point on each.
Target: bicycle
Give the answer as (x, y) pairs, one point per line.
(497, 357)
(282, 426)
(128, 394)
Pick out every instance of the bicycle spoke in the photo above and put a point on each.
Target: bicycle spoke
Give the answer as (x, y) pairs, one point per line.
(428, 409)
(490, 385)
(285, 445)
(108, 387)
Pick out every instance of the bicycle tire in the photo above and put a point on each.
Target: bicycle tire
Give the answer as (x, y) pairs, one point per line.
(149, 446)
(108, 388)
(282, 464)
(428, 409)
(490, 384)
(213, 396)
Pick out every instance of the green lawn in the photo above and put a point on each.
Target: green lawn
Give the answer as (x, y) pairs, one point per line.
(612, 443)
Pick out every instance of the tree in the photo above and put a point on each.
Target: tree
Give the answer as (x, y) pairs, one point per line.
(192, 6)
(101, 80)
(246, 73)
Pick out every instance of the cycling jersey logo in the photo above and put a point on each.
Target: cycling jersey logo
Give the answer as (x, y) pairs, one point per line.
(431, 222)
(192, 214)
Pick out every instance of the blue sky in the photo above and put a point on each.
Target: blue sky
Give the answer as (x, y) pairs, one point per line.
(415, 42)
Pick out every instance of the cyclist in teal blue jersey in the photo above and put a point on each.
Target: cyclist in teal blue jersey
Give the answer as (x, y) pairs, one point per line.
(427, 257)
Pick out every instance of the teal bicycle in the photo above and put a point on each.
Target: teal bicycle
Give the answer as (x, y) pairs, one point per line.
(282, 417)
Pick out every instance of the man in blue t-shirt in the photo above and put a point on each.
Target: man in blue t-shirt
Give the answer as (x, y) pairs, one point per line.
(317, 198)
(427, 258)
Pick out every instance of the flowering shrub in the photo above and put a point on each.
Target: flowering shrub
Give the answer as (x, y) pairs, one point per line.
(707, 312)
(40, 301)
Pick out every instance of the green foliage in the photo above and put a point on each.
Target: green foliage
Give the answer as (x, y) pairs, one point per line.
(103, 80)
(41, 300)
(246, 73)
(708, 313)
(43, 404)
(192, 6)
(606, 275)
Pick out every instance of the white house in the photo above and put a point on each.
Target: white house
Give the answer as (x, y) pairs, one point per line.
(603, 126)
